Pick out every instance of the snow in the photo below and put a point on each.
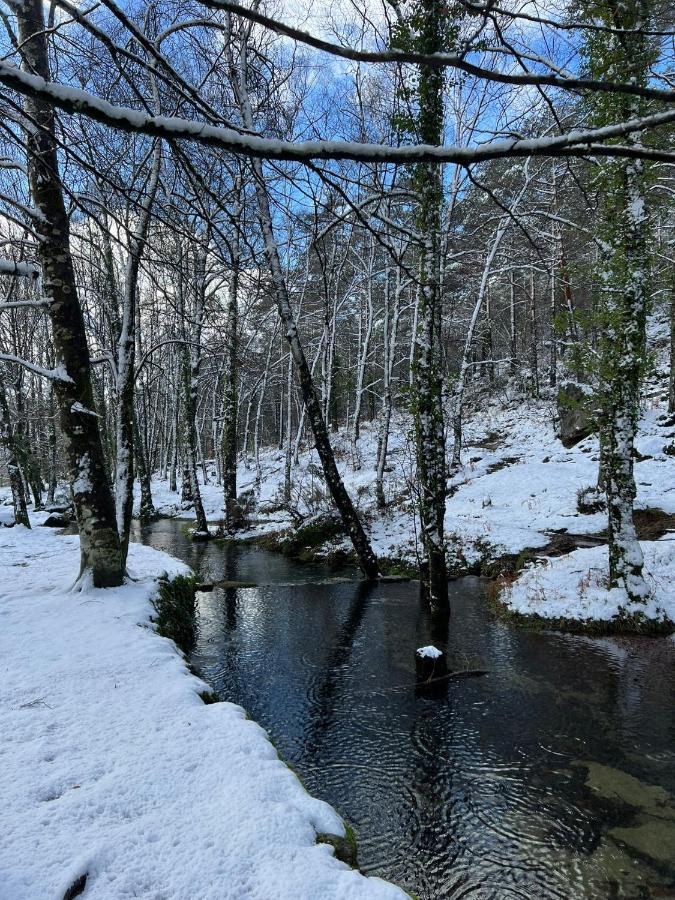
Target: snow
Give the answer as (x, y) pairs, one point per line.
(575, 586)
(76, 100)
(113, 766)
(509, 495)
(429, 652)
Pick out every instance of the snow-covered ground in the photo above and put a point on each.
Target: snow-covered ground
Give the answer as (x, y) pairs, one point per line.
(112, 765)
(517, 485)
(575, 586)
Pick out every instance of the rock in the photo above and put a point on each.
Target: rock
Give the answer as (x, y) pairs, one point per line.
(66, 509)
(575, 413)
(344, 847)
(620, 786)
(653, 838)
(56, 520)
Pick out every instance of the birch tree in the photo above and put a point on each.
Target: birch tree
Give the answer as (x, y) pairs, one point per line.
(627, 54)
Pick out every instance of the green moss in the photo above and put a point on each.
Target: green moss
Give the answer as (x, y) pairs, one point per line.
(175, 609)
(345, 848)
(209, 697)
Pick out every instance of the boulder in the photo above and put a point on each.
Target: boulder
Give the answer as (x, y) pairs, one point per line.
(575, 413)
(56, 520)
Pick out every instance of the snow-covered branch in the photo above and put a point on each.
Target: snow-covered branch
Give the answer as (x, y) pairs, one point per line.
(21, 269)
(586, 142)
(56, 374)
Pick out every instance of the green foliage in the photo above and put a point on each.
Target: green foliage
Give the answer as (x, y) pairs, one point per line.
(209, 697)
(426, 26)
(175, 608)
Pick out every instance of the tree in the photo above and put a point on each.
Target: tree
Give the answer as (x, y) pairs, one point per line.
(624, 54)
(100, 550)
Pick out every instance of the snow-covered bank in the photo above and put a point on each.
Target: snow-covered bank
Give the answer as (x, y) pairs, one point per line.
(112, 765)
(517, 486)
(575, 587)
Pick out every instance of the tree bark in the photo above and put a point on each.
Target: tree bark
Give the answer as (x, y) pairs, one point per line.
(312, 403)
(100, 551)
(8, 443)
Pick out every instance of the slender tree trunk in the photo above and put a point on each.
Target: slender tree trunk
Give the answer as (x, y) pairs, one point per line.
(126, 375)
(52, 448)
(513, 341)
(8, 444)
(147, 512)
(364, 350)
(534, 355)
(191, 368)
(312, 403)
(387, 398)
(230, 389)
(100, 551)
(671, 382)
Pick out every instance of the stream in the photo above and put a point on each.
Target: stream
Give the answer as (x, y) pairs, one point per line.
(553, 776)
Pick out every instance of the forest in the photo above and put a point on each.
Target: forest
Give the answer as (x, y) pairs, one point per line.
(327, 327)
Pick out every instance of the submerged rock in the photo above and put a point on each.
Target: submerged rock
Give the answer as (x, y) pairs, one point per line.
(615, 784)
(653, 837)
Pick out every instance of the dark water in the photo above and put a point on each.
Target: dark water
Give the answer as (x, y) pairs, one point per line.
(482, 791)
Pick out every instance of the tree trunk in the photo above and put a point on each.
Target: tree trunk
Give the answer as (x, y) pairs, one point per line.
(626, 258)
(126, 350)
(9, 446)
(100, 551)
(230, 391)
(312, 403)
(427, 390)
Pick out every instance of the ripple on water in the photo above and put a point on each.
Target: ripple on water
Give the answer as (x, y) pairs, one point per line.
(467, 795)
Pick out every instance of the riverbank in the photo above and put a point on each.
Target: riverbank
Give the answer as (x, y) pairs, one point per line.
(519, 497)
(117, 779)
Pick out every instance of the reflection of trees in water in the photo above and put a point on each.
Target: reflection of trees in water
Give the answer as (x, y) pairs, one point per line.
(322, 711)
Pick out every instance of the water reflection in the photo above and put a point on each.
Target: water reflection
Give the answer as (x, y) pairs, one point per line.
(481, 791)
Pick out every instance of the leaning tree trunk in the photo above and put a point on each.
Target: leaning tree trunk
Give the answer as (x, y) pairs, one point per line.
(7, 441)
(99, 541)
(312, 403)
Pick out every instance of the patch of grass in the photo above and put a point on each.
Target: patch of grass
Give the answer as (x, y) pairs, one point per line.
(175, 607)
(345, 848)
